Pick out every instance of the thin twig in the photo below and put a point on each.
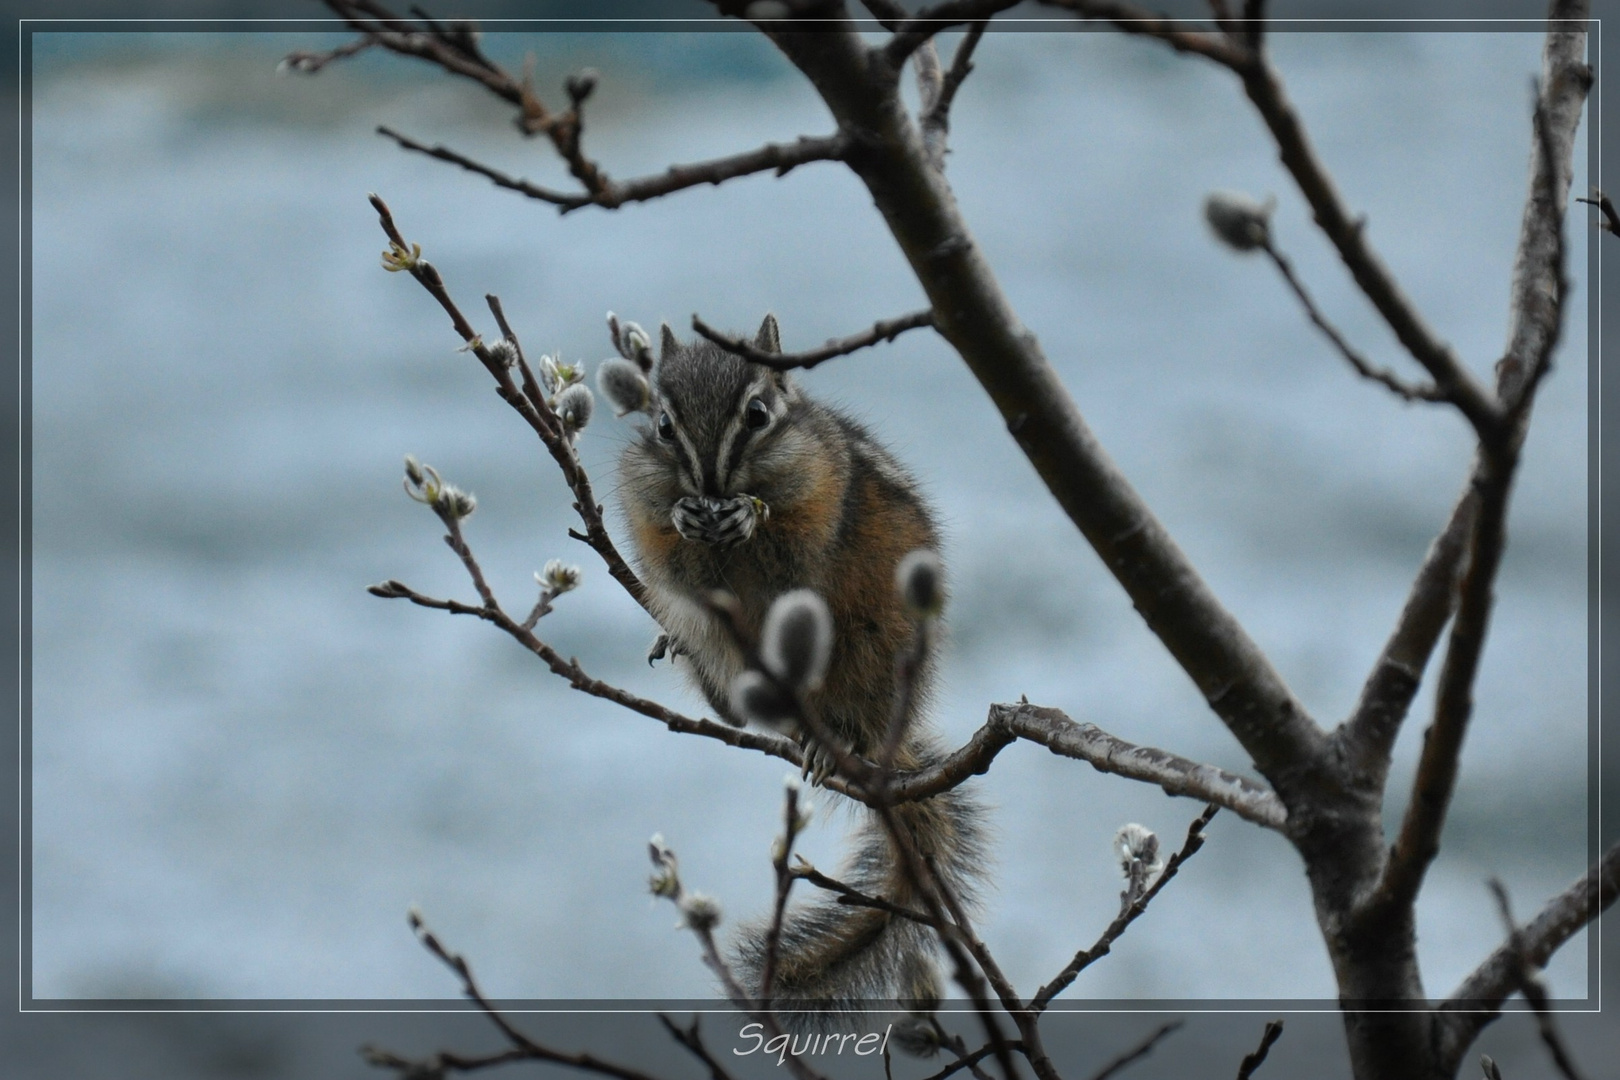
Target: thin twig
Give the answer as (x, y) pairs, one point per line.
(883, 330)
(792, 822)
(935, 121)
(921, 27)
(848, 894)
(1611, 220)
(780, 158)
(1478, 1000)
(308, 63)
(529, 404)
(1137, 1052)
(1253, 1061)
(692, 1039)
(1361, 364)
(1534, 991)
(970, 1061)
(1085, 957)
(523, 1048)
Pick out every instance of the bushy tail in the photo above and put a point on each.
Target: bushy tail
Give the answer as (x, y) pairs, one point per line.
(836, 961)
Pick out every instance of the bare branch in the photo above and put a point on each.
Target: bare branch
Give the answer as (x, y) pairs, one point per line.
(528, 402)
(1478, 1000)
(523, 1048)
(1368, 736)
(848, 894)
(1361, 364)
(1054, 730)
(692, 1039)
(1611, 220)
(921, 27)
(577, 678)
(1086, 957)
(1136, 20)
(1534, 991)
(308, 63)
(778, 157)
(883, 330)
(1265, 90)
(1251, 1062)
(791, 824)
(1136, 1053)
(1539, 293)
(1348, 235)
(935, 120)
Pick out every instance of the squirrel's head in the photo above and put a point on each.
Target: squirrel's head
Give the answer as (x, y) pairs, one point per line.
(717, 420)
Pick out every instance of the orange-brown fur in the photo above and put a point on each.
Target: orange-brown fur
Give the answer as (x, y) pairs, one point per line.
(842, 514)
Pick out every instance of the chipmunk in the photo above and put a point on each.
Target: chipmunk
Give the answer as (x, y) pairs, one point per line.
(740, 482)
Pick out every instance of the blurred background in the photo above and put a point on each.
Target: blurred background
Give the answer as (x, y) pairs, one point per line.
(245, 768)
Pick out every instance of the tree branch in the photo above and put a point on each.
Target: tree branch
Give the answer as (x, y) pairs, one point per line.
(1367, 738)
(1539, 291)
(1100, 948)
(1478, 1000)
(973, 314)
(935, 119)
(1137, 1052)
(883, 330)
(1054, 730)
(921, 27)
(1251, 1062)
(1265, 90)
(528, 402)
(522, 1047)
(778, 157)
(1361, 364)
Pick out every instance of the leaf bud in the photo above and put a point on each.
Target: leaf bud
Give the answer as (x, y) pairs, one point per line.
(755, 697)
(623, 386)
(1238, 221)
(796, 641)
(574, 406)
(920, 579)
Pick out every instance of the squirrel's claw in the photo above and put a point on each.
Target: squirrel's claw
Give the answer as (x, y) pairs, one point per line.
(819, 761)
(662, 646)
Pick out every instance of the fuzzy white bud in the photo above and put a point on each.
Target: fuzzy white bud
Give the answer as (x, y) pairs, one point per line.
(574, 406)
(503, 352)
(1238, 221)
(797, 639)
(921, 581)
(665, 880)
(755, 697)
(413, 470)
(700, 911)
(559, 577)
(1136, 844)
(638, 346)
(623, 386)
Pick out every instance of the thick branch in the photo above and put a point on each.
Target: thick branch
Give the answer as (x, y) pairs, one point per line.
(883, 330)
(778, 157)
(1478, 1000)
(973, 314)
(1104, 752)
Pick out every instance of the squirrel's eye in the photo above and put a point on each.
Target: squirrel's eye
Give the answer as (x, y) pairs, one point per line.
(757, 415)
(666, 427)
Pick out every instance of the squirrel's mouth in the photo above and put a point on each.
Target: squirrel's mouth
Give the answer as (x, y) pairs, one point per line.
(720, 521)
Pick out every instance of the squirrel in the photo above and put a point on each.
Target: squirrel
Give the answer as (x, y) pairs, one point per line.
(740, 482)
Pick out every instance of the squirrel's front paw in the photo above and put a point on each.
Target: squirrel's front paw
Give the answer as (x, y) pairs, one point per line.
(718, 522)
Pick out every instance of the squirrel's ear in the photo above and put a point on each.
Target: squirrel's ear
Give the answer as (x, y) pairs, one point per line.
(667, 345)
(769, 338)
